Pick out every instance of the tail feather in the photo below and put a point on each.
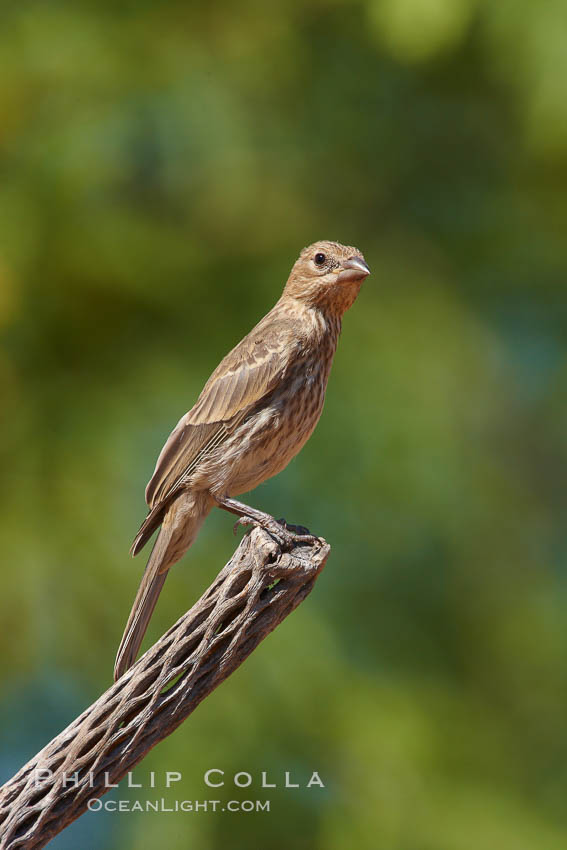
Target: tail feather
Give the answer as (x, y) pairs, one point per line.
(143, 607)
(180, 526)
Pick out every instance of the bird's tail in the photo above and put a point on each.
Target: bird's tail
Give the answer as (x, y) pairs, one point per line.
(178, 532)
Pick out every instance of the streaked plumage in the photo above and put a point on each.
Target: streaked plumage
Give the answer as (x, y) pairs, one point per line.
(254, 414)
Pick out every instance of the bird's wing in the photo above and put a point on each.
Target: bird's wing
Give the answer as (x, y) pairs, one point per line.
(249, 372)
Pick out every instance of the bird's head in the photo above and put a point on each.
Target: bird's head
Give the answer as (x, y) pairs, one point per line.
(327, 275)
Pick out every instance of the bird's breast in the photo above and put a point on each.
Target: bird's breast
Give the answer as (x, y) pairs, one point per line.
(274, 431)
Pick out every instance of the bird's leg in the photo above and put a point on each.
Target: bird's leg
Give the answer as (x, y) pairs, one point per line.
(285, 535)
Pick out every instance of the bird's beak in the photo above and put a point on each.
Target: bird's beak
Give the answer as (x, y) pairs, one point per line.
(354, 268)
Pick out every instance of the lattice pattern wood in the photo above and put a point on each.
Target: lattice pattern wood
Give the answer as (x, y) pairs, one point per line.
(252, 594)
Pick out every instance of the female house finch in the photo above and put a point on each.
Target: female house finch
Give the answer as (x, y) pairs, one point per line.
(254, 414)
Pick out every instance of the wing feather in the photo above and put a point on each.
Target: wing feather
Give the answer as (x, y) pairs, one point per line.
(248, 373)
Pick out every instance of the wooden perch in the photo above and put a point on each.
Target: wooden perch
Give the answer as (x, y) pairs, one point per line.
(251, 595)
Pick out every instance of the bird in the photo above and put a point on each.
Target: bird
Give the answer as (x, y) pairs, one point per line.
(254, 414)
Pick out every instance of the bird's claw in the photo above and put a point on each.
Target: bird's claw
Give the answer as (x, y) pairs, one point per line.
(244, 521)
(286, 536)
(298, 530)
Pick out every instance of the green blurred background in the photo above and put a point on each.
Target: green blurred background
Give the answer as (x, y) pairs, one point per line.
(161, 165)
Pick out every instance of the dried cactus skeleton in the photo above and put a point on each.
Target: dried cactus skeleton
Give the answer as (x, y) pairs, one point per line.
(253, 593)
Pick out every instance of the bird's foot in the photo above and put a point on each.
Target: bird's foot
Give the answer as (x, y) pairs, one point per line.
(301, 534)
(286, 536)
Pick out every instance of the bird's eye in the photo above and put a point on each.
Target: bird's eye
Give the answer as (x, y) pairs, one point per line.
(320, 259)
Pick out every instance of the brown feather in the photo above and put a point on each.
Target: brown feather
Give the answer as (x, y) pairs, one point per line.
(250, 371)
(147, 528)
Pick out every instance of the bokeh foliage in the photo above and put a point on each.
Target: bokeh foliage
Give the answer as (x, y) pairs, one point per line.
(161, 166)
